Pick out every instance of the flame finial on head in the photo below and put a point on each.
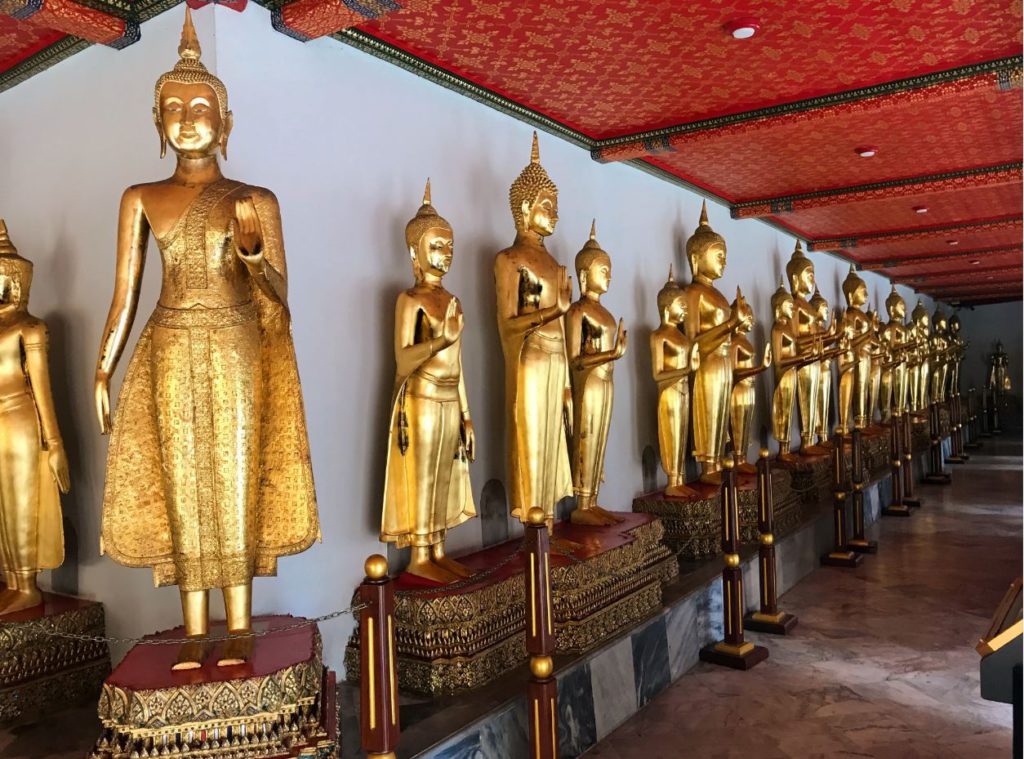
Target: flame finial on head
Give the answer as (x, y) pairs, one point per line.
(535, 149)
(6, 246)
(188, 48)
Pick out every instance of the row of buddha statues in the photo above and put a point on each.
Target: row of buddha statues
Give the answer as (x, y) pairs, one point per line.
(208, 475)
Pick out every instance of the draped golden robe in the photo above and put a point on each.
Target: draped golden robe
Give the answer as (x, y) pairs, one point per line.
(208, 472)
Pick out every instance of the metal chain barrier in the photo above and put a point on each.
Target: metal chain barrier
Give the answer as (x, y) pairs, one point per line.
(353, 609)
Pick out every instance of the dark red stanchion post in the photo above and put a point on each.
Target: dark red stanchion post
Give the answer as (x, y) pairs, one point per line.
(896, 507)
(768, 618)
(935, 475)
(973, 433)
(908, 462)
(378, 686)
(732, 651)
(542, 690)
(859, 542)
(956, 412)
(840, 555)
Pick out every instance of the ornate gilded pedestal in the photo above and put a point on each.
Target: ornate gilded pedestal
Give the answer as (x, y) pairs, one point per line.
(281, 703)
(693, 523)
(451, 640)
(42, 673)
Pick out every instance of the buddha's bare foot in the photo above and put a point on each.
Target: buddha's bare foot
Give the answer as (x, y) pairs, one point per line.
(591, 517)
(459, 570)
(711, 478)
(565, 547)
(616, 519)
(19, 600)
(813, 450)
(191, 655)
(788, 456)
(681, 491)
(237, 650)
(746, 468)
(428, 570)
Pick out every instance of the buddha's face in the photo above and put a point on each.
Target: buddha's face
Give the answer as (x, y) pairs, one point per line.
(898, 311)
(821, 311)
(434, 251)
(859, 296)
(940, 324)
(746, 317)
(803, 283)
(785, 309)
(190, 118)
(711, 261)
(542, 216)
(677, 310)
(8, 292)
(599, 275)
(923, 324)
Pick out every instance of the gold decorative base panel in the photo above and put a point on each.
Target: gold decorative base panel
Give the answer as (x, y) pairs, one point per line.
(281, 703)
(450, 641)
(42, 673)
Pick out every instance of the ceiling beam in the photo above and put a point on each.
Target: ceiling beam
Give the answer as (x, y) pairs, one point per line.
(1001, 73)
(920, 233)
(988, 176)
(931, 278)
(934, 258)
(981, 288)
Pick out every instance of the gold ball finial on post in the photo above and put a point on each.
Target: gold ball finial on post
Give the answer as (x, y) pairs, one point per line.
(535, 516)
(764, 453)
(376, 567)
(728, 463)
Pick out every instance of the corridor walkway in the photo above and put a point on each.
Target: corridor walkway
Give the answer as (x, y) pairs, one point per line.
(882, 663)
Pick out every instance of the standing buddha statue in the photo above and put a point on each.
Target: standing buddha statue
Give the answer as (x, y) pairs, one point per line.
(958, 347)
(534, 292)
(744, 397)
(855, 377)
(940, 357)
(34, 466)
(800, 271)
(208, 470)
(877, 356)
(894, 338)
(430, 441)
(999, 370)
(821, 314)
(594, 344)
(673, 358)
(922, 357)
(711, 324)
(788, 357)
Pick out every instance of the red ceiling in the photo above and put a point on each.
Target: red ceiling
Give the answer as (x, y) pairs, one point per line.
(664, 62)
(767, 124)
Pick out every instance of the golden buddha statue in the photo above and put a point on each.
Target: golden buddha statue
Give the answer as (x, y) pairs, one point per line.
(999, 370)
(921, 374)
(744, 397)
(877, 355)
(673, 358)
(958, 348)
(35, 466)
(593, 345)
(208, 470)
(534, 293)
(800, 271)
(894, 338)
(855, 377)
(821, 324)
(711, 324)
(939, 357)
(427, 489)
(788, 356)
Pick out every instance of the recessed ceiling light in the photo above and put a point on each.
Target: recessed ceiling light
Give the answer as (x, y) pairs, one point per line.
(920, 209)
(990, 276)
(952, 242)
(743, 28)
(866, 151)
(975, 262)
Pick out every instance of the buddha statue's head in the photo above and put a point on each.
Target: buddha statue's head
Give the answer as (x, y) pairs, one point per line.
(430, 240)
(896, 306)
(954, 324)
(672, 300)
(533, 197)
(782, 302)
(922, 322)
(855, 289)
(745, 312)
(15, 274)
(705, 250)
(820, 307)
(800, 271)
(190, 104)
(593, 266)
(939, 321)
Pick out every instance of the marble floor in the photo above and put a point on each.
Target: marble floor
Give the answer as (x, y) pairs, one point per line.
(882, 663)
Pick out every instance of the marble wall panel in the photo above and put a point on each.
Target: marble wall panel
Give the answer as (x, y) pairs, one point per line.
(611, 674)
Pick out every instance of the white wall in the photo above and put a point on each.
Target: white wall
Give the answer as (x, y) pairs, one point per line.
(346, 142)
